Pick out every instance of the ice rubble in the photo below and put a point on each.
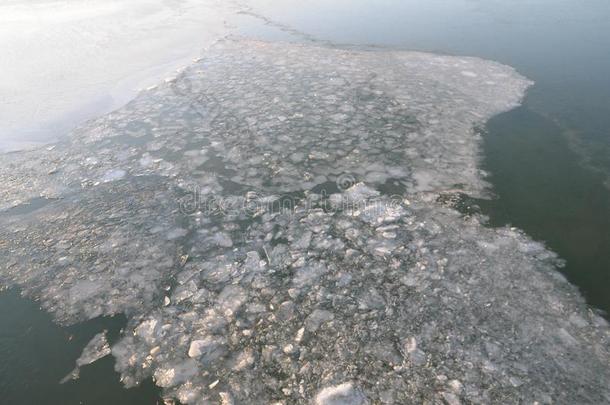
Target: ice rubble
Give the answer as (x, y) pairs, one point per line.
(276, 236)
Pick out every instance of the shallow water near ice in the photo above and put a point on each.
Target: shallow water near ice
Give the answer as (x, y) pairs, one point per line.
(563, 204)
(37, 354)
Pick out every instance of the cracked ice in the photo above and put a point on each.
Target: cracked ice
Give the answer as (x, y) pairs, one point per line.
(367, 290)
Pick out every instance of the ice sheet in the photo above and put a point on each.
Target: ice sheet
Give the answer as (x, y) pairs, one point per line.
(67, 61)
(284, 240)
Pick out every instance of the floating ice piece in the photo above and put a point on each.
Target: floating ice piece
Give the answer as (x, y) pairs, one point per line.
(381, 212)
(343, 394)
(231, 298)
(209, 348)
(371, 299)
(147, 330)
(468, 73)
(113, 175)
(243, 360)
(308, 274)
(451, 398)
(176, 233)
(360, 192)
(96, 349)
(317, 318)
(221, 239)
(146, 160)
(176, 374)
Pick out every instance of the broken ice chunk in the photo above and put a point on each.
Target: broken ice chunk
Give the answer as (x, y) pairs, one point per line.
(176, 233)
(468, 73)
(343, 394)
(253, 262)
(381, 212)
(243, 360)
(178, 373)
(147, 330)
(307, 274)
(317, 318)
(371, 300)
(146, 160)
(208, 349)
(113, 175)
(83, 290)
(360, 192)
(451, 399)
(231, 298)
(96, 349)
(221, 239)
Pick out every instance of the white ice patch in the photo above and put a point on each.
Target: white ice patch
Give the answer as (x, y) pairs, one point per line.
(175, 374)
(231, 298)
(113, 175)
(206, 347)
(176, 233)
(343, 394)
(468, 73)
(308, 274)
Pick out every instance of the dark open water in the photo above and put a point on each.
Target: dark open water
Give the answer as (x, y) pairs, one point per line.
(548, 160)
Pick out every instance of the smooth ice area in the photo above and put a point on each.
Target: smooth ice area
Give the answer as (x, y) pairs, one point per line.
(278, 228)
(66, 61)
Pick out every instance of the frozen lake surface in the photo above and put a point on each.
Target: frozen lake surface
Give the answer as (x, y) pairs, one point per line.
(67, 61)
(278, 224)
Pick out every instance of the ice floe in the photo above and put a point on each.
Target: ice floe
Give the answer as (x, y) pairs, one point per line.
(96, 349)
(281, 238)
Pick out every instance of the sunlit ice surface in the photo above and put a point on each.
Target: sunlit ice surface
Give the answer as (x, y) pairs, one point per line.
(278, 225)
(67, 61)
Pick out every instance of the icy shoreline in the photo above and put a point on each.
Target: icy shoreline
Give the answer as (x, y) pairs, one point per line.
(393, 298)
